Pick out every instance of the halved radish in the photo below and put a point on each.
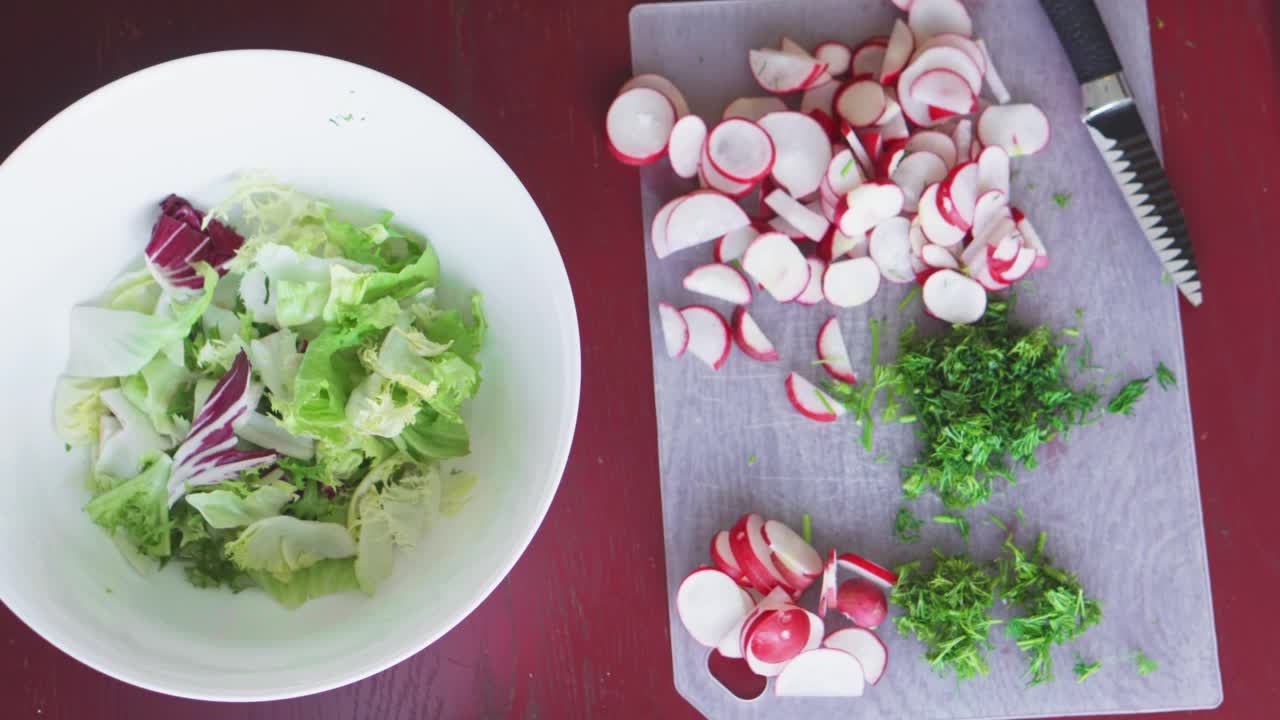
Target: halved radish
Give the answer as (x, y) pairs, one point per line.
(916, 172)
(731, 245)
(994, 81)
(658, 228)
(812, 402)
(719, 281)
(843, 174)
(638, 125)
(827, 594)
(753, 108)
(901, 45)
(890, 248)
(945, 90)
(993, 169)
(992, 205)
(803, 151)
(1018, 268)
(722, 557)
(778, 597)
(709, 604)
(961, 43)
(812, 224)
(1020, 129)
(702, 217)
(938, 143)
(708, 335)
(868, 58)
(869, 205)
(775, 262)
(752, 553)
(936, 256)
(934, 226)
(675, 331)
(833, 353)
(662, 85)
(850, 283)
(864, 645)
(932, 17)
(954, 298)
(779, 635)
(751, 339)
(958, 195)
(740, 150)
(782, 72)
(794, 551)
(823, 672)
(836, 55)
(812, 294)
(712, 178)
(861, 103)
(863, 602)
(872, 571)
(1032, 239)
(685, 146)
(820, 98)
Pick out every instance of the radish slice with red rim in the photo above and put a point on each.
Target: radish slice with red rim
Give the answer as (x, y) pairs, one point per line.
(803, 151)
(746, 539)
(782, 72)
(954, 298)
(1017, 269)
(918, 243)
(936, 256)
(944, 90)
(794, 551)
(868, 58)
(780, 635)
(708, 335)
(865, 568)
(820, 98)
(702, 217)
(934, 226)
(836, 55)
(751, 339)
(753, 108)
(864, 645)
(962, 137)
(731, 246)
(916, 172)
(869, 205)
(711, 178)
(958, 195)
(861, 103)
(784, 226)
(982, 274)
(994, 81)
(898, 52)
(719, 281)
(843, 173)
(812, 294)
(860, 152)
(895, 127)
(821, 672)
(638, 125)
(934, 17)
(812, 224)
(992, 205)
(938, 143)
(685, 146)
(850, 283)
(961, 43)
(890, 248)
(934, 58)
(1020, 129)
(828, 594)
(740, 150)
(722, 556)
(838, 245)
(993, 169)
(775, 262)
(709, 604)
(675, 331)
(811, 402)
(890, 156)
(662, 85)
(1033, 241)
(833, 353)
(1000, 227)
(658, 228)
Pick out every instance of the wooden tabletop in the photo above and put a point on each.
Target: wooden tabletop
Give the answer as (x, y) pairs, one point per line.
(579, 629)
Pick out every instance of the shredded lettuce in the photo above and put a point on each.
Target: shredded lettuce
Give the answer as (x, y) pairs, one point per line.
(78, 408)
(282, 545)
(224, 509)
(138, 507)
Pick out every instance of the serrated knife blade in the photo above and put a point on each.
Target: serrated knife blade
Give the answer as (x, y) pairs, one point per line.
(1117, 130)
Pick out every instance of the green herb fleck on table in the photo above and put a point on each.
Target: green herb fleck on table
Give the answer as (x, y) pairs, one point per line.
(948, 608)
(752, 460)
(1018, 511)
(909, 299)
(1123, 402)
(881, 458)
(66, 447)
(1159, 23)
(906, 527)
(1144, 664)
(1031, 186)
(806, 528)
(1083, 670)
(1165, 377)
(1165, 278)
(1062, 199)
(958, 522)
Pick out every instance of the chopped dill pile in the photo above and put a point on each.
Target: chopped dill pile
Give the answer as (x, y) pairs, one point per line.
(906, 527)
(948, 608)
(1123, 402)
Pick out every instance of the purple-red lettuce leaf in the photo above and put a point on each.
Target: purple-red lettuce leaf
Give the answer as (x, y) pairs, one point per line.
(180, 238)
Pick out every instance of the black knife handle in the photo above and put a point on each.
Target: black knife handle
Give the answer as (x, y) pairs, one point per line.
(1080, 28)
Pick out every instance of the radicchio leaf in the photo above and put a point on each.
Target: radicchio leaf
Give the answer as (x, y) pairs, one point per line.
(209, 455)
(180, 238)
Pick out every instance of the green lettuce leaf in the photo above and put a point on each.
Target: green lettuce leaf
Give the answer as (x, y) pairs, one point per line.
(432, 436)
(132, 438)
(136, 290)
(276, 360)
(326, 577)
(378, 407)
(353, 289)
(139, 507)
(224, 509)
(447, 326)
(161, 389)
(442, 380)
(391, 507)
(282, 545)
(78, 408)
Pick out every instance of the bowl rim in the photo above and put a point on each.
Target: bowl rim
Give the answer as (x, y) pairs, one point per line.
(570, 339)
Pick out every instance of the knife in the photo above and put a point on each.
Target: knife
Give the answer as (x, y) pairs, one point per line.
(1117, 130)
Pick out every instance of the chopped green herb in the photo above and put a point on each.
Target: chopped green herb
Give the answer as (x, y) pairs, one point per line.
(949, 610)
(1165, 377)
(1018, 511)
(806, 528)
(752, 460)
(1031, 186)
(860, 400)
(828, 361)
(108, 589)
(881, 458)
(998, 522)
(910, 297)
(1165, 278)
(1122, 403)
(1063, 199)
(1079, 313)
(907, 526)
(844, 172)
(1144, 664)
(1159, 23)
(1071, 332)
(67, 447)
(960, 524)
(1083, 670)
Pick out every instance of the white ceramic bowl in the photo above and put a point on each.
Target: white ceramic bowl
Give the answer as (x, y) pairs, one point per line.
(76, 204)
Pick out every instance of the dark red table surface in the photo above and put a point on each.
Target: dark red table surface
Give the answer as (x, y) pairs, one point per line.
(579, 629)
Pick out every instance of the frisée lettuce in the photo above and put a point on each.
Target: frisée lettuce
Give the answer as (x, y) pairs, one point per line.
(269, 400)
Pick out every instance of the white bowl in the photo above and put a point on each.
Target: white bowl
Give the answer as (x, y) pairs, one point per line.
(77, 201)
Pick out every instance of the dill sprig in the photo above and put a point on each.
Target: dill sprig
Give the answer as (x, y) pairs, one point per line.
(1083, 670)
(1123, 402)
(948, 608)
(1144, 664)
(957, 521)
(1165, 377)
(906, 527)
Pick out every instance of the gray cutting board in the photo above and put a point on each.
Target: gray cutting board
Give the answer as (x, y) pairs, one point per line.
(1120, 502)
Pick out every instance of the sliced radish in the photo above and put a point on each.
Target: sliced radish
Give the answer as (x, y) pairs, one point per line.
(933, 17)
(996, 230)
(708, 335)
(836, 55)
(787, 45)
(958, 195)
(850, 283)
(719, 281)
(1018, 268)
(895, 128)
(810, 401)
(868, 58)
(954, 298)
(961, 43)
(890, 156)
(962, 137)
(1033, 241)
(702, 217)
(1003, 252)
(981, 273)
(938, 143)
(751, 339)
(638, 125)
(746, 540)
(901, 45)
(722, 556)
(872, 571)
(709, 604)
(827, 594)
(861, 103)
(675, 331)
(864, 645)
(945, 90)
(936, 256)
(1020, 129)
(775, 262)
(731, 246)
(740, 150)
(794, 551)
(934, 226)
(916, 172)
(824, 672)
(803, 151)
(873, 140)
(779, 635)
(812, 224)
(837, 245)
(782, 72)
(934, 58)
(918, 243)
(712, 178)
(863, 602)
(778, 597)
(799, 582)
(994, 81)
(820, 98)
(890, 248)
(753, 108)
(860, 153)
(685, 147)
(843, 174)
(812, 294)
(658, 228)
(662, 85)
(992, 205)
(782, 225)
(993, 169)
(903, 5)
(869, 205)
(833, 353)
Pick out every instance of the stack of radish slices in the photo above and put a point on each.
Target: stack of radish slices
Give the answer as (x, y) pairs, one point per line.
(745, 608)
(861, 165)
